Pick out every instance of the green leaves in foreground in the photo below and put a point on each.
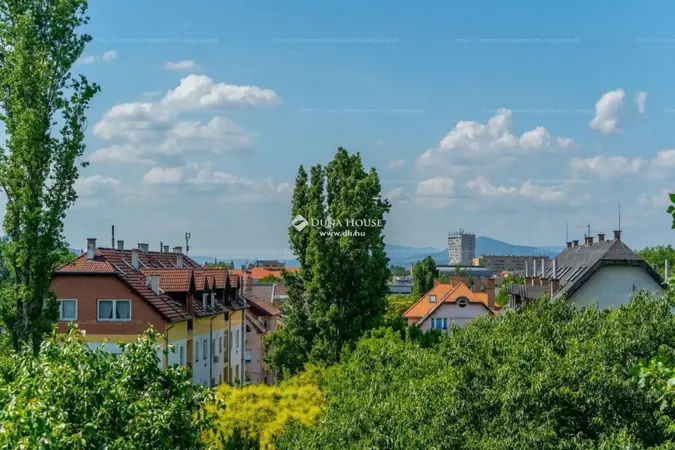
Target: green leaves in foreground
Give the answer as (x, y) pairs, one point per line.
(71, 397)
(548, 377)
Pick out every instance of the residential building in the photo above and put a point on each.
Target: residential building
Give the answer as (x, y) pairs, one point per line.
(262, 318)
(274, 292)
(271, 264)
(607, 273)
(114, 295)
(461, 248)
(401, 285)
(258, 273)
(453, 303)
(500, 263)
(469, 271)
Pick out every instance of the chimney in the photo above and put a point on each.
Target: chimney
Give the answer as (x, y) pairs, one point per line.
(153, 283)
(569, 244)
(601, 237)
(179, 260)
(527, 273)
(554, 286)
(588, 241)
(91, 249)
(143, 247)
(134, 258)
(190, 303)
(166, 249)
(274, 288)
(249, 285)
(178, 249)
(543, 267)
(543, 282)
(528, 280)
(534, 268)
(554, 273)
(437, 281)
(667, 270)
(490, 289)
(617, 235)
(120, 245)
(575, 243)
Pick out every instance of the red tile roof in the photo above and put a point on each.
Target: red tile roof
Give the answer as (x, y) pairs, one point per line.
(445, 293)
(256, 323)
(266, 307)
(172, 279)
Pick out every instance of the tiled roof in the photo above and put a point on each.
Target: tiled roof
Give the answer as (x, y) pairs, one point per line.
(255, 322)
(260, 272)
(267, 291)
(77, 266)
(172, 280)
(445, 293)
(265, 307)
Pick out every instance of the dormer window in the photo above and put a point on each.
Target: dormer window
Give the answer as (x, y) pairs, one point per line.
(213, 300)
(462, 302)
(205, 298)
(432, 299)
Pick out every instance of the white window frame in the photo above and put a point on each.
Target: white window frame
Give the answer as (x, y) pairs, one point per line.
(432, 299)
(67, 319)
(213, 299)
(182, 355)
(205, 297)
(221, 345)
(205, 348)
(114, 300)
(197, 351)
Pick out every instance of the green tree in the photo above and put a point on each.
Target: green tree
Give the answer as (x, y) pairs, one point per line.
(218, 265)
(69, 396)
(341, 288)
(658, 255)
(399, 271)
(270, 279)
(397, 304)
(39, 44)
(424, 273)
(549, 376)
(502, 297)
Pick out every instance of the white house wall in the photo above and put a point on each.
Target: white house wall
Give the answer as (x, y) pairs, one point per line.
(236, 355)
(206, 368)
(455, 314)
(612, 286)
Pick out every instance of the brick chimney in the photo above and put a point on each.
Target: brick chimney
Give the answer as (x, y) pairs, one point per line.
(544, 282)
(569, 244)
(178, 249)
(456, 279)
(143, 247)
(190, 303)
(535, 281)
(490, 289)
(575, 243)
(601, 237)
(134, 258)
(528, 280)
(91, 249)
(249, 284)
(166, 249)
(588, 241)
(477, 285)
(617, 235)
(120, 245)
(437, 281)
(554, 287)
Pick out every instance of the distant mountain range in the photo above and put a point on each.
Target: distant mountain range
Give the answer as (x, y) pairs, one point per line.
(401, 255)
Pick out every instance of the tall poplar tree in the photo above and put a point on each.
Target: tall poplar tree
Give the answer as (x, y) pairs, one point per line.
(42, 106)
(340, 290)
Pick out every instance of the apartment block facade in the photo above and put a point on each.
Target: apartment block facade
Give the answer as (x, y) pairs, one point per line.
(461, 248)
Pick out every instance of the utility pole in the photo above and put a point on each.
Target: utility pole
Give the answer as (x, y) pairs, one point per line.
(187, 242)
(588, 227)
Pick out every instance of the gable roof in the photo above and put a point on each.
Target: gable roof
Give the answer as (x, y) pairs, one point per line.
(255, 322)
(575, 265)
(172, 280)
(263, 307)
(445, 293)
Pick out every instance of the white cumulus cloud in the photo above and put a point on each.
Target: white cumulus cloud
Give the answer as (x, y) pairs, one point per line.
(641, 100)
(528, 190)
(181, 65)
(609, 167)
(607, 110)
(110, 55)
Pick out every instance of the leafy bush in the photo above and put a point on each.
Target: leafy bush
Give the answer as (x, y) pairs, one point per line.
(250, 417)
(550, 376)
(71, 397)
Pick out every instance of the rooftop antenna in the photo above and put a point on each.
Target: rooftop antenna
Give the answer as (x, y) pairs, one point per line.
(112, 240)
(567, 232)
(187, 242)
(588, 227)
(161, 246)
(619, 216)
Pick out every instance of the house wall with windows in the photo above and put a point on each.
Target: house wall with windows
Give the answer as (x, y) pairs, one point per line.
(456, 314)
(254, 353)
(207, 350)
(89, 291)
(237, 341)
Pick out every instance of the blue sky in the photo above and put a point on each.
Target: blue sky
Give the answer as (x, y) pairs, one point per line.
(289, 82)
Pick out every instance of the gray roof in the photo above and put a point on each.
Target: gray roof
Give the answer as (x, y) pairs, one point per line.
(575, 265)
(474, 271)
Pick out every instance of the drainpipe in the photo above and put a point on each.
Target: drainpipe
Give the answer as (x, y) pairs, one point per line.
(212, 347)
(166, 340)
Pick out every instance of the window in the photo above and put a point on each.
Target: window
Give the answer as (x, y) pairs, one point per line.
(227, 341)
(182, 355)
(432, 299)
(205, 349)
(205, 296)
(213, 346)
(197, 352)
(236, 339)
(231, 339)
(248, 329)
(67, 309)
(445, 323)
(213, 299)
(221, 345)
(462, 302)
(227, 316)
(265, 323)
(109, 310)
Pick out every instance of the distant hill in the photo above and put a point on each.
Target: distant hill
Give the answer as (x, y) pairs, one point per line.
(401, 255)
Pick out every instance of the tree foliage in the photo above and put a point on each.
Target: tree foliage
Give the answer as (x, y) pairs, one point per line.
(424, 273)
(340, 290)
(71, 397)
(397, 304)
(270, 279)
(658, 255)
(399, 271)
(548, 376)
(251, 417)
(502, 297)
(38, 165)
